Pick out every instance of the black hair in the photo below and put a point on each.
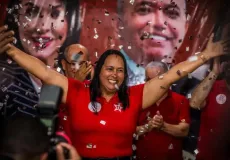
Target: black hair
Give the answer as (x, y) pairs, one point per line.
(72, 16)
(95, 90)
(24, 136)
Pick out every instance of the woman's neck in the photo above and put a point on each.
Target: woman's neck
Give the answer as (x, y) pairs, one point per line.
(107, 95)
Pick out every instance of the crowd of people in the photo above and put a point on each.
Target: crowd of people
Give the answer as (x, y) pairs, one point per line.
(113, 109)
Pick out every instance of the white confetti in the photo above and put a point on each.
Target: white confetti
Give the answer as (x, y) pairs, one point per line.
(96, 36)
(187, 49)
(189, 96)
(170, 146)
(120, 46)
(196, 151)
(58, 69)
(103, 122)
(134, 147)
(132, 2)
(192, 58)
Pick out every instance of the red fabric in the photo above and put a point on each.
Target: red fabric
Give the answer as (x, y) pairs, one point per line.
(107, 134)
(63, 121)
(158, 144)
(210, 127)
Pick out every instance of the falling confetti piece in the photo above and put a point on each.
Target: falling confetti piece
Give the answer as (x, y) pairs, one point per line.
(9, 61)
(196, 151)
(134, 147)
(132, 2)
(96, 36)
(59, 69)
(106, 13)
(65, 118)
(161, 77)
(103, 122)
(178, 73)
(189, 96)
(187, 49)
(170, 146)
(192, 58)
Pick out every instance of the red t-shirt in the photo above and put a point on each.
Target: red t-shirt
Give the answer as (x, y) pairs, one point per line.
(158, 144)
(217, 102)
(63, 122)
(107, 134)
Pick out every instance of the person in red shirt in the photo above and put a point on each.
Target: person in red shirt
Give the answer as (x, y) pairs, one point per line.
(212, 97)
(103, 117)
(74, 63)
(161, 136)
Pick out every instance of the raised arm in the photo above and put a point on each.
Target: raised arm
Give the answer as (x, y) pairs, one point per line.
(155, 88)
(30, 63)
(202, 90)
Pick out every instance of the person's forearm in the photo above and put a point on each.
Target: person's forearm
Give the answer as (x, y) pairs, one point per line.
(175, 130)
(152, 95)
(29, 63)
(202, 90)
(184, 68)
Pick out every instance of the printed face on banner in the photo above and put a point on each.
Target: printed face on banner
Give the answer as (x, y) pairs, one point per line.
(153, 28)
(44, 27)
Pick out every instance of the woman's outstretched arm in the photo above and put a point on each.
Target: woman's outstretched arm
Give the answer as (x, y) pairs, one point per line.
(31, 64)
(155, 88)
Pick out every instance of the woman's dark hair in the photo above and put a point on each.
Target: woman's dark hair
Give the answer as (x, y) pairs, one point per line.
(72, 16)
(95, 90)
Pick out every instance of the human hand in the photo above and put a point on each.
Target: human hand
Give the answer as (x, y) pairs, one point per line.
(6, 37)
(83, 71)
(215, 49)
(73, 155)
(157, 121)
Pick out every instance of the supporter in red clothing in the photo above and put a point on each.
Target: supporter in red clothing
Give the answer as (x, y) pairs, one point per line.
(104, 116)
(161, 137)
(212, 97)
(73, 62)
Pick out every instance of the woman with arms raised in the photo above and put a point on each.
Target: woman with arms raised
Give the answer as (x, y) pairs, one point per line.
(103, 117)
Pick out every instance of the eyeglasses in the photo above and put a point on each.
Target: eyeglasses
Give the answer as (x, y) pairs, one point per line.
(74, 62)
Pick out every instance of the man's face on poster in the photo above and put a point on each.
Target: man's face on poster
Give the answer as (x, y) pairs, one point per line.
(161, 23)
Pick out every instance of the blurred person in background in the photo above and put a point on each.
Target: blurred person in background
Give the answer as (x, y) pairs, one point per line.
(212, 97)
(163, 125)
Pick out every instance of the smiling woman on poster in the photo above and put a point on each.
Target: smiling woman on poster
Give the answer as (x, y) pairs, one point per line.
(43, 29)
